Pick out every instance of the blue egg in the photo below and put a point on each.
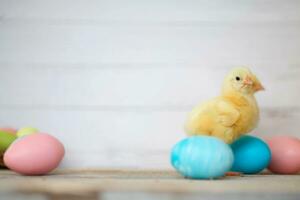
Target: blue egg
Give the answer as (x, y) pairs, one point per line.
(202, 157)
(251, 155)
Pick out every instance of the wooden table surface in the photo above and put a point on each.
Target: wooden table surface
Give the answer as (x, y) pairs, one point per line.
(130, 184)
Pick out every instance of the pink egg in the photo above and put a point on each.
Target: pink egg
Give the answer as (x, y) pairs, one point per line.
(9, 130)
(285, 154)
(34, 154)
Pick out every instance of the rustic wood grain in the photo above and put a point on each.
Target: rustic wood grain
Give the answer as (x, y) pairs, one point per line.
(129, 88)
(163, 10)
(143, 44)
(88, 183)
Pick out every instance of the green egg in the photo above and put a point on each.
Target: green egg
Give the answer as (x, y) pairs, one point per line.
(26, 131)
(5, 140)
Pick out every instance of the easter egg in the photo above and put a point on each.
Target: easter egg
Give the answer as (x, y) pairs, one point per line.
(6, 139)
(201, 157)
(285, 154)
(26, 131)
(9, 130)
(251, 155)
(34, 154)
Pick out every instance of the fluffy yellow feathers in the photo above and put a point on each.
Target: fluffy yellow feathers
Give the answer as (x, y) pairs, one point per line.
(233, 113)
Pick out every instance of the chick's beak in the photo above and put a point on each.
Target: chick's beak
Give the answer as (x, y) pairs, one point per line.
(258, 87)
(255, 84)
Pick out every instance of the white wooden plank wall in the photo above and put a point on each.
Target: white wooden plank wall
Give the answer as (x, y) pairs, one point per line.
(114, 79)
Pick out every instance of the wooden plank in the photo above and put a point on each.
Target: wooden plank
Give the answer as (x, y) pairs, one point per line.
(134, 88)
(90, 196)
(27, 42)
(163, 10)
(80, 183)
(195, 196)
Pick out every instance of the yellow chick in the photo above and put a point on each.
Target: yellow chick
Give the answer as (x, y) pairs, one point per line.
(233, 113)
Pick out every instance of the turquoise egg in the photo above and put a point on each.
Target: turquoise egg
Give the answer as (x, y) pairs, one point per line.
(251, 155)
(202, 157)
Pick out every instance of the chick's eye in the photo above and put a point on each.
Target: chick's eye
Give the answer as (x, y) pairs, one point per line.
(237, 78)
